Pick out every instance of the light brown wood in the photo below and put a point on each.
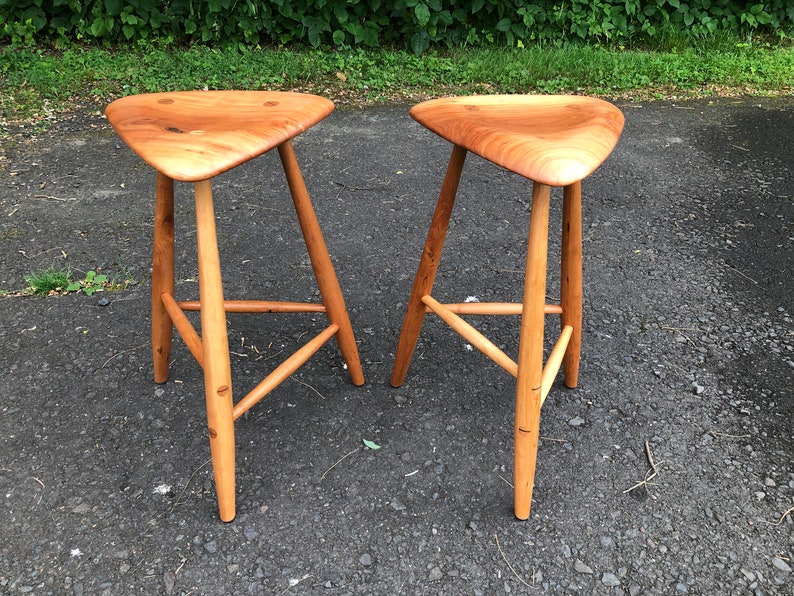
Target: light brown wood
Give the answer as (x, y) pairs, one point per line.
(185, 328)
(284, 370)
(215, 345)
(552, 139)
(571, 279)
(256, 306)
(321, 264)
(428, 265)
(162, 275)
(530, 354)
(195, 135)
(494, 308)
(192, 136)
(554, 361)
(472, 335)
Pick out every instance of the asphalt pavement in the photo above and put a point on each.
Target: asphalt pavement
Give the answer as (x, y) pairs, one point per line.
(668, 470)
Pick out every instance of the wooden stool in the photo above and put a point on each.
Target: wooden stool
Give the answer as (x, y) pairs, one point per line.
(553, 141)
(192, 136)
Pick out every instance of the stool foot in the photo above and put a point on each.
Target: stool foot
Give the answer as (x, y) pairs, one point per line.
(571, 279)
(530, 354)
(215, 347)
(162, 275)
(327, 281)
(428, 266)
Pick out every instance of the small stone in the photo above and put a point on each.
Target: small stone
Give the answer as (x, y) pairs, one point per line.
(233, 568)
(397, 505)
(250, 533)
(769, 482)
(435, 574)
(169, 579)
(576, 422)
(748, 574)
(781, 565)
(103, 301)
(211, 546)
(365, 559)
(610, 579)
(580, 567)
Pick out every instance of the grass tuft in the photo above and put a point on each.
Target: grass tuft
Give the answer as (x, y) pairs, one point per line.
(49, 281)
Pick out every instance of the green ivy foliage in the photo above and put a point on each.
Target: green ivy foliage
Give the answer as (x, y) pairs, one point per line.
(415, 24)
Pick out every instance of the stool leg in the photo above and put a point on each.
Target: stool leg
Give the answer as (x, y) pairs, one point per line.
(428, 265)
(215, 346)
(571, 279)
(162, 275)
(530, 354)
(327, 281)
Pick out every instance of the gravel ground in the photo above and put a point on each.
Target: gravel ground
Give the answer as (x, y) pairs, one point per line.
(687, 372)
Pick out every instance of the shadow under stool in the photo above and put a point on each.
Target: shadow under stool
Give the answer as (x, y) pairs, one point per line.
(192, 136)
(552, 141)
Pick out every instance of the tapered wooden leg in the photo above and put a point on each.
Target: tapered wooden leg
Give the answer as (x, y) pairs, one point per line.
(428, 265)
(162, 275)
(571, 279)
(327, 281)
(215, 347)
(530, 354)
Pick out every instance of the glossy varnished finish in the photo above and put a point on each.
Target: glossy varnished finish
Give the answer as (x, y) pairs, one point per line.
(552, 139)
(195, 135)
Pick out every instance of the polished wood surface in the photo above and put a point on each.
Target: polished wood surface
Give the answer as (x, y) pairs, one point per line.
(552, 139)
(529, 384)
(428, 266)
(162, 275)
(195, 135)
(215, 350)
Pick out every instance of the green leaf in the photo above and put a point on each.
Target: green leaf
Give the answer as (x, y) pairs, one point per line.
(370, 444)
(503, 25)
(422, 14)
(113, 7)
(73, 287)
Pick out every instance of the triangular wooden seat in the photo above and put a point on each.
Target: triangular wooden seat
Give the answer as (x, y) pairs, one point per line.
(549, 139)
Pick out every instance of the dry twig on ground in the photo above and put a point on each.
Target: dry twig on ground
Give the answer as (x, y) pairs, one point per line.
(650, 474)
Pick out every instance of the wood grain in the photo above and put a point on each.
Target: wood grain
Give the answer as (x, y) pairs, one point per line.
(551, 139)
(195, 135)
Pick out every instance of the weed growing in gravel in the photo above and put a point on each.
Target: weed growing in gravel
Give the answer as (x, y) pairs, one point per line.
(49, 281)
(92, 283)
(59, 281)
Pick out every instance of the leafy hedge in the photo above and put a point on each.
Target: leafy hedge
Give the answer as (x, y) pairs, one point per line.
(416, 24)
